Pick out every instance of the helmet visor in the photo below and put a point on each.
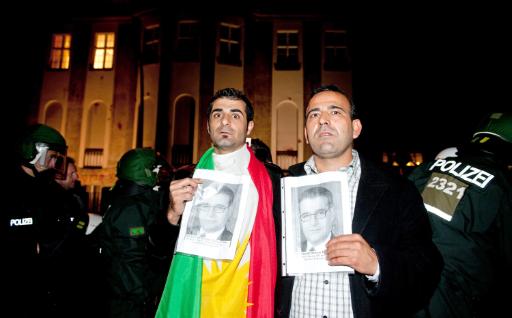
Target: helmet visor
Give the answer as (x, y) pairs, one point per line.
(59, 163)
(47, 158)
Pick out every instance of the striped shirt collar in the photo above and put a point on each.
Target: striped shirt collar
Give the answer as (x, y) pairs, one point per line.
(310, 166)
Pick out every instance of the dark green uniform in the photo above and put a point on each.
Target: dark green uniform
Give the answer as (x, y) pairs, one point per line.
(470, 203)
(126, 249)
(130, 238)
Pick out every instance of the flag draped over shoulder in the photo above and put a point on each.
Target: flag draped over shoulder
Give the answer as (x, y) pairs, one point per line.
(199, 288)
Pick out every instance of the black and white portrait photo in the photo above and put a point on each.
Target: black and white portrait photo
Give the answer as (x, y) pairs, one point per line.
(316, 208)
(212, 220)
(212, 214)
(317, 216)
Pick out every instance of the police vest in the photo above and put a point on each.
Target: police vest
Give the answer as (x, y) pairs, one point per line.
(447, 184)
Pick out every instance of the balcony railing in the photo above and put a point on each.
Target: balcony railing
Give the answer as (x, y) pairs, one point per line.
(93, 158)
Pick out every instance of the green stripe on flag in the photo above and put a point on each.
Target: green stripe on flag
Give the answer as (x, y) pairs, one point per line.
(182, 293)
(206, 161)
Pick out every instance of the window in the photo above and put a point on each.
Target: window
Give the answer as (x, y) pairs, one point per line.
(187, 41)
(229, 44)
(61, 51)
(336, 52)
(151, 49)
(104, 44)
(287, 50)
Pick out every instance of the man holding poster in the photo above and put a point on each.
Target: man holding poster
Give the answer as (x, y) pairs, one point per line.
(396, 265)
(199, 286)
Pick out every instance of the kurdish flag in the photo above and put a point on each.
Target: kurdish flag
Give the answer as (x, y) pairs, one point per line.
(241, 287)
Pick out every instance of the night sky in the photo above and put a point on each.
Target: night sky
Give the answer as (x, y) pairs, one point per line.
(424, 78)
(423, 75)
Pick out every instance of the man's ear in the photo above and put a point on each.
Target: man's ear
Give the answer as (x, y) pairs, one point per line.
(250, 126)
(357, 126)
(208, 127)
(306, 135)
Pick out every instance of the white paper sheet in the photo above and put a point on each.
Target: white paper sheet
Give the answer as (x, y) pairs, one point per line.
(325, 202)
(206, 230)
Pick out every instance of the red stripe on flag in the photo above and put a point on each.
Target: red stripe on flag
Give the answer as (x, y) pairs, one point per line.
(263, 268)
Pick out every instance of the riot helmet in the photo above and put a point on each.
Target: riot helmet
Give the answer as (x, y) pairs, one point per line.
(494, 136)
(497, 125)
(43, 147)
(138, 166)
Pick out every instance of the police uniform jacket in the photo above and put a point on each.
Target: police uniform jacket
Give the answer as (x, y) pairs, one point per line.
(469, 200)
(44, 236)
(125, 244)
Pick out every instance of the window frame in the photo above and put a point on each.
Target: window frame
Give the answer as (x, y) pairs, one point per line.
(289, 61)
(231, 58)
(58, 52)
(341, 49)
(151, 38)
(106, 48)
(187, 46)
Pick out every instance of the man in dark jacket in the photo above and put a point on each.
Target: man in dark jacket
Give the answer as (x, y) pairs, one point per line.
(42, 233)
(469, 201)
(125, 237)
(396, 265)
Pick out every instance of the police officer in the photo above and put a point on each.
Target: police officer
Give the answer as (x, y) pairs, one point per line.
(40, 231)
(469, 201)
(125, 237)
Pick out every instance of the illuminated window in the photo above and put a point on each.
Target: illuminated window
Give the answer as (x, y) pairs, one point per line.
(229, 44)
(104, 44)
(151, 50)
(61, 51)
(187, 41)
(287, 50)
(336, 56)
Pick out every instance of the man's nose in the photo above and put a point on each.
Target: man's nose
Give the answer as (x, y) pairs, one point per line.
(225, 120)
(324, 118)
(316, 220)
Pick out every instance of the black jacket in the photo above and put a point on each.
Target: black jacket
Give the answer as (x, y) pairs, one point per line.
(390, 216)
(43, 243)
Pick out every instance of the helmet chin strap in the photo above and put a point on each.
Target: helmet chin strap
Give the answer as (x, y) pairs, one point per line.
(31, 167)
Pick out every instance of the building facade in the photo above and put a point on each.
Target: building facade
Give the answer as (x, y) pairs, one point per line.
(144, 79)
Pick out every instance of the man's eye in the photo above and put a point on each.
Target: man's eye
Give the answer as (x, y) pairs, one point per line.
(313, 115)
(216, 115)
(236, 116)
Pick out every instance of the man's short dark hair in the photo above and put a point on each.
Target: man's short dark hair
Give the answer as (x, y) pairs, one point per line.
(222, 189)
(335, 88)
(315, 192)
(233, 94)
(227, 191)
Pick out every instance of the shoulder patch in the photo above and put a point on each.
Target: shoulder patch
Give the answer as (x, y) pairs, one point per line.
(136, 231)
